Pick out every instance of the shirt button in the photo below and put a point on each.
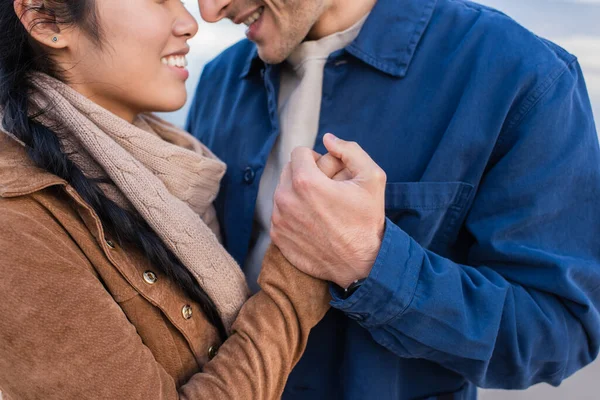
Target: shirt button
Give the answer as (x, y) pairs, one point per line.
(249, 175)
(212, 352)
(355, 316)
(150, 277)
(109, 243)
(186, 311)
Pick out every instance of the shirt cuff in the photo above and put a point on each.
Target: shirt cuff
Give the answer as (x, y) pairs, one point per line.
(390, 287)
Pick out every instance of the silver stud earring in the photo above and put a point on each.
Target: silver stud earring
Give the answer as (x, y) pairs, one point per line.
(55, 39)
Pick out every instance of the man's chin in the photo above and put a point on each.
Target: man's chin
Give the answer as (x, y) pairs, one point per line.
(272, 57)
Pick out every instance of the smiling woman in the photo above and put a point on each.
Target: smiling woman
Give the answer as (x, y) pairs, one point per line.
(157, 35)
(111, 257)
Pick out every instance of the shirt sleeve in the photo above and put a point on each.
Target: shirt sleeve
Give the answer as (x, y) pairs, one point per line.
(62, 335)
(524, 308)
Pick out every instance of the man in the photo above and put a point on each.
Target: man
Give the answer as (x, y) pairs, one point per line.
(476, 262)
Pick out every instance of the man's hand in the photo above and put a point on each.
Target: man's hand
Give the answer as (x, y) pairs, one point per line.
(329, 212)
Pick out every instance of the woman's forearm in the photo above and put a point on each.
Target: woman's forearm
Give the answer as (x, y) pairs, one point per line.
(270, 335)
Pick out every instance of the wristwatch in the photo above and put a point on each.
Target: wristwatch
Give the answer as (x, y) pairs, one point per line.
(349, 291)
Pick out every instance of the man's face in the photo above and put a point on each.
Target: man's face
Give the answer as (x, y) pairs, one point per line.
(276, 26)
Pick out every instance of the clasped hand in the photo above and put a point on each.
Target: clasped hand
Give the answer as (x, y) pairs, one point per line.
(329, 211)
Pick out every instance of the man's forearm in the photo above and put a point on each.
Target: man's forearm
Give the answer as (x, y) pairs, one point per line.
(494, 332)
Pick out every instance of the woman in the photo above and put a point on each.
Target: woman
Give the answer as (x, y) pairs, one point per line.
(113, 283)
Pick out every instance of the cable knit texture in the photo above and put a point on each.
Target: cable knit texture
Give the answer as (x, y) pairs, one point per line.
(164, 173)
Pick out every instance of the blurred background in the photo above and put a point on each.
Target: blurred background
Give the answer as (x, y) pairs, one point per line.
(573, 24)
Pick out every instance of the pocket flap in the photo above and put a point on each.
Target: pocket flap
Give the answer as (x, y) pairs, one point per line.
(430, 212)
(426, 195)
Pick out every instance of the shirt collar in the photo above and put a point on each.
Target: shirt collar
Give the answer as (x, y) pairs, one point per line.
(388, 39)
(18, 174)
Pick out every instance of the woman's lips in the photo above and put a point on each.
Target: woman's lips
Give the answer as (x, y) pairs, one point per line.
(177, 64)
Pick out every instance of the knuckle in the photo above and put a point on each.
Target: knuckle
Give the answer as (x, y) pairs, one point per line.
(276, 218)
(281, 200)
(274, 235)
(277, 197)
(380, 175)
(301, 182)
(324, 161)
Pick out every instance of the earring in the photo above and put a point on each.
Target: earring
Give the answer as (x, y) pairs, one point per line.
(55, 39)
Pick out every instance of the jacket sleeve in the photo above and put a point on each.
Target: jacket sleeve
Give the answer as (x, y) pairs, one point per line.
(62, 335)
(524, 308)
(270, 335)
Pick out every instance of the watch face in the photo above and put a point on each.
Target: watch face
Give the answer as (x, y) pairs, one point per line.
(353, 288)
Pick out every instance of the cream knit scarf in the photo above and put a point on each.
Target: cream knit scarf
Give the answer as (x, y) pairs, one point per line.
(162, 172)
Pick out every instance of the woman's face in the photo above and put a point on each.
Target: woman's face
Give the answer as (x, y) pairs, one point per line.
(140, 62)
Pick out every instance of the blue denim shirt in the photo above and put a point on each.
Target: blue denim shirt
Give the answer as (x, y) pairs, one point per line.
(489, 271)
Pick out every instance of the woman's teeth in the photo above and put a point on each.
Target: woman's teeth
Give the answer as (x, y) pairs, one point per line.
(254, 17)
(175, 61)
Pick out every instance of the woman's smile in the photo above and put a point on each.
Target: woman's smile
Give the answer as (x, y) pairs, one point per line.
(177, 63)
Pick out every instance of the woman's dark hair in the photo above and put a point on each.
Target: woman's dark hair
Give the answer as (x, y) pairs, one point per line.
(20, 55)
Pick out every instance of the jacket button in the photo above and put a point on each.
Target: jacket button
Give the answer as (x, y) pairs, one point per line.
(186, 311)
(109, 243)
(249, 175)
(212, 352)
(150, 277)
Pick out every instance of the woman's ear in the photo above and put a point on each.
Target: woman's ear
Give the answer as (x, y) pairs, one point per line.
(41, 23)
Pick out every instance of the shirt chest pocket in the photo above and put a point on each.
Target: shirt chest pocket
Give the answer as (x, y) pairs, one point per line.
(430, 212)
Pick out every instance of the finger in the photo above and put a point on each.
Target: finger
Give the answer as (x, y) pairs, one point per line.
(316, 155)
(355, 159)
(304, 167)
(343, 175)
(330, 165)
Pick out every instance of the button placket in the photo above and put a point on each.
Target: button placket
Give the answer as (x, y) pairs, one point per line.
(249, 175)
(128, 270)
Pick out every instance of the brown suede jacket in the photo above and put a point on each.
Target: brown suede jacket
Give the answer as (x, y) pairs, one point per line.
(82, 318)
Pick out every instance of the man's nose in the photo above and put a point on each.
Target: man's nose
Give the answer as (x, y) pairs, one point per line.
(213, 10)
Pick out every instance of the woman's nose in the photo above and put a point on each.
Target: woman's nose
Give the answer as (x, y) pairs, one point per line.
(186, 25)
